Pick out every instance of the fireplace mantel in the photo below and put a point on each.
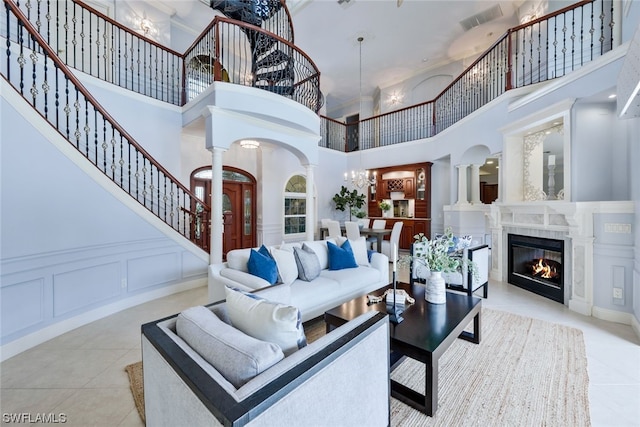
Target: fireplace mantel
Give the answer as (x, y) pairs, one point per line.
(571, 222)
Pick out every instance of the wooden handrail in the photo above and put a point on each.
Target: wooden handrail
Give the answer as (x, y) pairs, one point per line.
(83, 90)
(551, 15)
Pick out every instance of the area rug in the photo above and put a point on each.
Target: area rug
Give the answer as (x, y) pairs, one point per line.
(524, 372)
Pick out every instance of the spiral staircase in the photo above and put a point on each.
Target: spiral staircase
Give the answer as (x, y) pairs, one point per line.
(272, 63)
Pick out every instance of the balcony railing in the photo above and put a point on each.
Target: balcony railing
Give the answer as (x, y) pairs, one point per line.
(538, 51)
(91, 42)
(247, 55)
(38, 74)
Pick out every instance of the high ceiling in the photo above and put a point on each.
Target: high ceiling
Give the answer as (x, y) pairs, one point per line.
(399, 41)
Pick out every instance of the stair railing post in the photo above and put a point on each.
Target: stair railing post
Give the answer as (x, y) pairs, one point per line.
(217, 65)
(508, 84)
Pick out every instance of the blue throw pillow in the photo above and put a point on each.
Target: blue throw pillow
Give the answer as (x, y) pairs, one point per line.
(262, 265)
(341, 257)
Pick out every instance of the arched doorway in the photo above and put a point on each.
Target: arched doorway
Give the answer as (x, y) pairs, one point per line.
(238, 204)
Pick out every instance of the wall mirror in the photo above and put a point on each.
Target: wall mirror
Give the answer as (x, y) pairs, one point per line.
(543, 164)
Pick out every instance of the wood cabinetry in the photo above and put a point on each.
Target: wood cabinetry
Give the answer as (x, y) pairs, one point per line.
(409, 188)
(414, 180)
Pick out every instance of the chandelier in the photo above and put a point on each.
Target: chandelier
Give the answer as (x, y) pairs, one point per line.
(361, 178)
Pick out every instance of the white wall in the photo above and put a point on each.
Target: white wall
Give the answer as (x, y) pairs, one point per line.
(634, 129)
(600, 154)
(70, 249)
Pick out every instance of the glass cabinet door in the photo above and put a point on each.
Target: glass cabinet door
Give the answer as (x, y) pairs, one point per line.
(420, 184)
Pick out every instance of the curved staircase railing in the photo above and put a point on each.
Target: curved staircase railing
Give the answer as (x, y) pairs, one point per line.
(36, 72)
(543, 49)
(244, 54)
(91, 42)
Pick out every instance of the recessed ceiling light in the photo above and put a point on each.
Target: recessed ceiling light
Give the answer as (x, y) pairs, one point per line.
(548, 132)
(556, 123)
(613, 95)
(489, 162)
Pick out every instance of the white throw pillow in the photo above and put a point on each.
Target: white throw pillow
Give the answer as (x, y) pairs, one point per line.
(265, 320)
(321, 251)
(238, 258)
(359, 248)
(287, 267)
(236, 355)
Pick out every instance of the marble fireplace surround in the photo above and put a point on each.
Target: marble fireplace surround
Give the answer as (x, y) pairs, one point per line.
(570, 222)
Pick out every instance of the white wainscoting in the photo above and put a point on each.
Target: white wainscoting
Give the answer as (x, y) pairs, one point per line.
(44, 295)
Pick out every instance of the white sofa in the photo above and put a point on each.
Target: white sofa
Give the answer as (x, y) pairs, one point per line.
(330, 289)
(335, 380)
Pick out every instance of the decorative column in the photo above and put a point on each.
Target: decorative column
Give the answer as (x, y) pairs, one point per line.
(462, 185)
(581, 236)
(475, 184)
(500, 181)
(310, 221)
(217, 221)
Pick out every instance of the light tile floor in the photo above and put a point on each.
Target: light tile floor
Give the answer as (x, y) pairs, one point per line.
(81, 373)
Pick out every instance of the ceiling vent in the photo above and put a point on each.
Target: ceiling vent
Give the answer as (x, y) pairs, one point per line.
(482, 17)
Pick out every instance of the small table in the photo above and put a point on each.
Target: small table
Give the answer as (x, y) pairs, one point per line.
(379, 233)
(425, 334)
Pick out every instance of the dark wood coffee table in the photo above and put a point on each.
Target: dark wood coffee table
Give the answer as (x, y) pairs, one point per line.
(425, 334)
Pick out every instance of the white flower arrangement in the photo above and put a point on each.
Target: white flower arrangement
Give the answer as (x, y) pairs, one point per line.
(440, 254)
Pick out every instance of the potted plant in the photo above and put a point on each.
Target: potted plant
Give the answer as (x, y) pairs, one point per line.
(440, 256)
(385, 207)
(362, 217)
(346, 199)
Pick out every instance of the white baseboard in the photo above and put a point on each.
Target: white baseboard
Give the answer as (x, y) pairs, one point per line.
(613, 316)
(22, 344)
(581, 307)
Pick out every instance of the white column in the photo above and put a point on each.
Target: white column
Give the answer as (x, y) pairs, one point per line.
(500, 186)
(462, 185)
(475, 184)
(310, 221)
(217, 225)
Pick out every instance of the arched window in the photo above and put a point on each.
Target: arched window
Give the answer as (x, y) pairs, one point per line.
(295, 205)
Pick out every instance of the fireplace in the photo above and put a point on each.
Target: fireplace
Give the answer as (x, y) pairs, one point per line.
(536, 264)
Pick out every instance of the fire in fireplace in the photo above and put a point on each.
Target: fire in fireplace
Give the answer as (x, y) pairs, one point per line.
(535, 264)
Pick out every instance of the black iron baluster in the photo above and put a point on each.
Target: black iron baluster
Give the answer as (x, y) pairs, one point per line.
(128, 164)
(57, 95)
(8, 40)
(21, 60)
(45, 87)
(82, 36)
(86, 128)
(138, 67)
(564, 44)
(95, 137)
(66, 32)
(67, 107)
(111, 53)
(601, 27)
(34, 76)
